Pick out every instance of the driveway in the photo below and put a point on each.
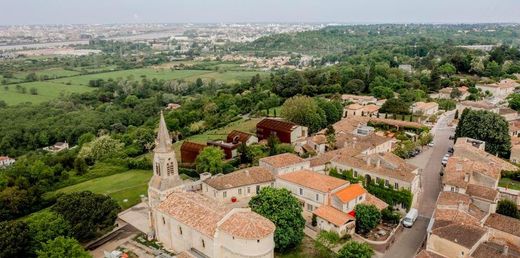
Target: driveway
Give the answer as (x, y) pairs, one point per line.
(429, 162)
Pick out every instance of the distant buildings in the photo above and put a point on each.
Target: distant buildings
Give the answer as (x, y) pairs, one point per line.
(286, 132)
(57, 147)
(501, 89)
(6, 161)
(425, 108)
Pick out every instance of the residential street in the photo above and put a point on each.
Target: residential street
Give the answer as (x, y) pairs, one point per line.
(430, 163)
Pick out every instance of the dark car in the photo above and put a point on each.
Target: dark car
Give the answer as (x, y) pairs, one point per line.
(452, 137)
(450, 150)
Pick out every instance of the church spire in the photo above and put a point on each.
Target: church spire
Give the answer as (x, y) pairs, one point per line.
(163, 143)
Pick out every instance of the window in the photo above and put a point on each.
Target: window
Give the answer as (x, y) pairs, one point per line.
(224, 194)
(301, 191)
(240, 191)
(258, 240)
(387, 183)
(180, 230)
(171, 168)
(396, 186)
(309, 207)
(248, 189)
(355, 174)
(158, 169)
(317, 197)
(203, 244)
(163, 220)
(360, 198)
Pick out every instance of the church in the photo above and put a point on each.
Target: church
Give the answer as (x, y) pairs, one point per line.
(188, 222)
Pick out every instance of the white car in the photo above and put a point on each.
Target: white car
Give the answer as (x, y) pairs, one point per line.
(445, 160)
(430, 144)
(410, 218)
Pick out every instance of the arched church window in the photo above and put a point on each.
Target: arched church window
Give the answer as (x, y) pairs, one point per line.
(171, 168)
(158, 169)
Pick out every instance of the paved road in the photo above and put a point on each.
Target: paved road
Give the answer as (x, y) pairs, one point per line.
(430, 162)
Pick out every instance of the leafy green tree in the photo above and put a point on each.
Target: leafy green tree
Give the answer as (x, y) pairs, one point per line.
(447, 69)
(367, 217)
(514, 101)
(284, 210)
(332, 108)
(33, 91)
(395, 106)
(86, 138)
(245, 154)
(80, 165)
(353, 249)
(486, 126)
(355, 86)
(14, 239)
(508, 208)
(102, 148)
(455, 93)
(88, 214)
(325, 241)
(62, 247)
(304, 111)
(45, 226)
(210, 159)
(382, 92)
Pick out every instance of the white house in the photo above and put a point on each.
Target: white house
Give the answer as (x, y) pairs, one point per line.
(284, 163)
(425, 108)
(5, 161)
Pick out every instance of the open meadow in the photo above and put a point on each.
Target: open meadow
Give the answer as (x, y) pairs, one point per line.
(12, 94)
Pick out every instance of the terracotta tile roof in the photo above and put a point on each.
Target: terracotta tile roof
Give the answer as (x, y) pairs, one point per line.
(503, 223)
(357, 97)
(192, 146)
(354, 106)
(333, 215)
(477, 104)
(483, 192)
(282, 160)
(360, 142)
(322, 159)
(466, 150)
(457, 216)
(490, 249)
(2, 158)
(457, 167)
(313, 180)
(350, 192)
(380, 204)
(371, 108)
(390, 166)
(238, 136)
(428, 254)
(476, 212)
(247, 225)
(319, 139)
(247, 176)
(425, 105)
(453, 199)
(194, 210)
(464, 235)
(277, 125)
(505, 111)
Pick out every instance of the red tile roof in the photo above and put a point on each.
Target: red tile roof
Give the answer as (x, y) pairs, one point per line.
(277, 125)
(313, 180)
(333, 215)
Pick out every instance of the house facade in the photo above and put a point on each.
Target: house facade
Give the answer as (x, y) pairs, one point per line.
(6, 161)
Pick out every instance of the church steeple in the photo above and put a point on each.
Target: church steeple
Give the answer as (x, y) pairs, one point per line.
(163, 142)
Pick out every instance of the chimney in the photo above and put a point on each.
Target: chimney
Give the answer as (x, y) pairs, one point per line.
(466, 177)
(247, 172)
(505, 251)
(378, 163)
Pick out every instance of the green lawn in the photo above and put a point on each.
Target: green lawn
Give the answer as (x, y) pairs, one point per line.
(244, 125)
(509, 183)
(305, 249)
(164, 74)
(47, 90)
(127, 185)
(52, 73)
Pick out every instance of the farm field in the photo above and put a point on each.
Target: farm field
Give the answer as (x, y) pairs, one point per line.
(245, 125)
(127, 185)
(163, 74)
(47, 90)
(51, 73)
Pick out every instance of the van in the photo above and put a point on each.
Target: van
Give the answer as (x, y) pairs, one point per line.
(410, 218)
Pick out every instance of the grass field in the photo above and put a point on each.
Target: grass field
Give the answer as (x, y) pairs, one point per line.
(47, 90)
(245, 125)
(123, 186)
(509, 183)
(163, 74)
(52, 73)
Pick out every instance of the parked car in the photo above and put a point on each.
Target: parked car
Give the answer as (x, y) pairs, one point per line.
(410, 218)
(430, 144)
(444, 160)
(451, 150)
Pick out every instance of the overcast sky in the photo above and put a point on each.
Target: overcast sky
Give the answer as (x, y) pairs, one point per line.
(182, 11)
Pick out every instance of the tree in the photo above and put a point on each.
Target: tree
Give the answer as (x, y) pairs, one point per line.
(456, 114)
(355, 86)
(455, 93)
(285, 211)
(62, 247)
(102, 148)
(304, 111)
(508, 208)
(325, 241)
(88, 214)
(332, 108)
(14, 239)
(272, 142)
(486, 126)
(331, 136)
(367, 217)
(245, 154)
(33, 91)
(447, 69)
(353, 249)
(80, 165)
(382, 92)
(514, 101)
(210, 159)
(45, 226)
(395, 106)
